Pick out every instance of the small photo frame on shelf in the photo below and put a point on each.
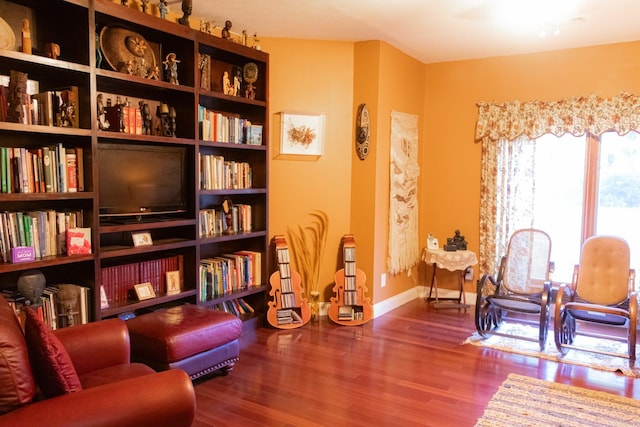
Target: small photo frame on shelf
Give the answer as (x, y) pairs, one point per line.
(142, 239)
(301, 135)
(144, 291)
(173, 282)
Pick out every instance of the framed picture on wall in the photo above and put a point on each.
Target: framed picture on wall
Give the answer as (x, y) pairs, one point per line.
(301, 135)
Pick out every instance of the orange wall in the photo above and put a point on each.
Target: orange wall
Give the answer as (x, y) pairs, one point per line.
(387, 80)
(451, 161)
(313, 76)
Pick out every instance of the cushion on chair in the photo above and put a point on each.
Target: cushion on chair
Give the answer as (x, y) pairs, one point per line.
(17, 386)
(52, 367)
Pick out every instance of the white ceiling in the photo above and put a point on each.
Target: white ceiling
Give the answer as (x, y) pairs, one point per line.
(431, 30)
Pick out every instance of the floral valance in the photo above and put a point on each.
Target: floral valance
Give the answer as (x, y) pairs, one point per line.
(571, 115)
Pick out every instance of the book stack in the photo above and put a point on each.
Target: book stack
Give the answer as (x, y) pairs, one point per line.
(216, 173)
(45, 231)
(227, 273)
(226, 127)
(288, 316)
(50, 169)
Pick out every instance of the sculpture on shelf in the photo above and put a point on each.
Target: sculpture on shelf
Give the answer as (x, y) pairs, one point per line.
(31, 284)
(163, 8)
(204, 65)
(144, 5)
(103, 123)
(187, 6)
(227, 88)
(226, 31)
(237, 82)
(145, 112)
(456, 243)
(52, 50)
(17, 96)
(250, 72)
(123, 2)
(171, 66)
(26, 36)
(68, 304)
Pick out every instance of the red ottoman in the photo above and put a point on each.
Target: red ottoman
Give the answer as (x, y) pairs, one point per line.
(193, 338)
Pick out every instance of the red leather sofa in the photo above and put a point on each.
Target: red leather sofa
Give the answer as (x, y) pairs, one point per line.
(114, 392)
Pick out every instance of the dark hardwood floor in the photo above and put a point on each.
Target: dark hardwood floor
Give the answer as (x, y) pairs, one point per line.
(404, 368)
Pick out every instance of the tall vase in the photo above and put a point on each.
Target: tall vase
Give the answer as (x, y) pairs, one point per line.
(314, 306)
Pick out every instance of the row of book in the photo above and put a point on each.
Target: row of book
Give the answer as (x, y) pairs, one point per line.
(350, 312)
(238, 307)
(229, 273)
(216, 173)
(54, 309)
(288, 316)
(226, 127)
(49, 169)
(118, 281)
(213, 222)
(48, 232)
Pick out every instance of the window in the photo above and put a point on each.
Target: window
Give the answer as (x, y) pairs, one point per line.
(585, 186)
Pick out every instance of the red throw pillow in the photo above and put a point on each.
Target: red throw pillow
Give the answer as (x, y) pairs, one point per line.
(52, 367)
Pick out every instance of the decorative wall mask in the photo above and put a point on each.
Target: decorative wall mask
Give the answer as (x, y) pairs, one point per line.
(362, 132)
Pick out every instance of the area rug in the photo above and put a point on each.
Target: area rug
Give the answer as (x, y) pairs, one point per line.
(525, 401)
(575, 357)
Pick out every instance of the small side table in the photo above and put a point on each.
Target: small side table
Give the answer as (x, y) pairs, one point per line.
(452, 261)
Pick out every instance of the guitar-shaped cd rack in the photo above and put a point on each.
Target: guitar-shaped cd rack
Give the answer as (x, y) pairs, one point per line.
(350, 306)
(288, 309)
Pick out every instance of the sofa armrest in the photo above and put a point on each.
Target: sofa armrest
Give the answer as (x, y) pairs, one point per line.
(161, 399)
(96, 345)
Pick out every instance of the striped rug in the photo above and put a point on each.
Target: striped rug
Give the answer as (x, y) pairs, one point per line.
(525, 401)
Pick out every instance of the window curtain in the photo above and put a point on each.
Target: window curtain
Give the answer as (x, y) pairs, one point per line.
(507, 132)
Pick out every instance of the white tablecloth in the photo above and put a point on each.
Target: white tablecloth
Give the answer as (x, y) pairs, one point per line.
(452, 261)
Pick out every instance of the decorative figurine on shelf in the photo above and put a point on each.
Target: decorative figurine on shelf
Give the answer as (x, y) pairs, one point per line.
(144, 5)
(145, 113)
(171, 66)
(26, 36)
(237, 82)
(227, 211)
(256, 42)
(67, 297)
(226, 31)
(187, 6)
(123, 2)
(52, 50)
(250, 73)
(456, 243)
(204, 65)
(244, 37)
(167, 117)
(103, 123)
(154, 73)
(227, 88)
(163, 8)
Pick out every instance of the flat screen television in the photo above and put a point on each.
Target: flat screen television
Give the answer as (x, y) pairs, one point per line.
(137, 179)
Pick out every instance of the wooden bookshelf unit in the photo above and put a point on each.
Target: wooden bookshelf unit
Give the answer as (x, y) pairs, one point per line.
(178, 162)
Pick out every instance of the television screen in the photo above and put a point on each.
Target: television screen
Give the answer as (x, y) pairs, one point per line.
(138, 179)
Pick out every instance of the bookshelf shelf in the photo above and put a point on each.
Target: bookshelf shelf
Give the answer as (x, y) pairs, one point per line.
(175, 235)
